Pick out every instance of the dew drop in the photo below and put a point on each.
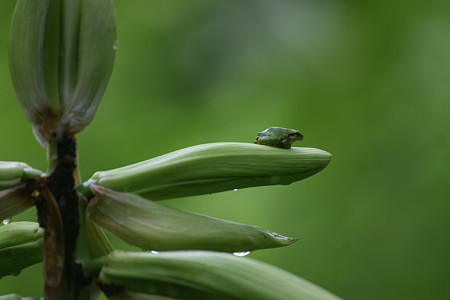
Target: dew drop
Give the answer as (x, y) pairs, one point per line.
(116, 45)
(154, 252)
(244, 253)
(235, 190)
(6, 221)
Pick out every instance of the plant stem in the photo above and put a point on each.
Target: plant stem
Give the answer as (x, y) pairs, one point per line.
(58, 214)
(52, 156)
(54, 249)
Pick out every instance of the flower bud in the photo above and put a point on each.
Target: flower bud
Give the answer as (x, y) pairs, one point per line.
(211, 168)
(61, 57)
(154, 226)
(13, 173)
(206, 275)
(20, 246)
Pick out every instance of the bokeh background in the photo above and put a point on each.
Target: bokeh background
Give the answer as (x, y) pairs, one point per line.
(368, 81)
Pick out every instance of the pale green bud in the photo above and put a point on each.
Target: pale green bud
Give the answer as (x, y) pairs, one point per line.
(61, 56)
(14, 195)
(20, 246)
(211, 168)
(154, 226)
(206, 275)
(13, 173)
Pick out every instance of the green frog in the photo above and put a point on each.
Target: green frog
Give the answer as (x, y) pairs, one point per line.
(278, 137)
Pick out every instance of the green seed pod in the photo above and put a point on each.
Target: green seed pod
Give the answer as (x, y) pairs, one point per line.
(61, 56)
(20, 246)
(154, 226)
(186, 274)
(211, 168)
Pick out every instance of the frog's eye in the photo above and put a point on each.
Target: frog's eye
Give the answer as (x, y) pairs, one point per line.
(296, 135)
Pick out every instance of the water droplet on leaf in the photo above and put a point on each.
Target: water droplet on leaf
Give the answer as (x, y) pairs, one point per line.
(235, 190)
(244, 253)
(116, 45)
(6, 221)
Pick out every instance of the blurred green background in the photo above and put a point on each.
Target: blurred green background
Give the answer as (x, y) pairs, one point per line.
(368, 81)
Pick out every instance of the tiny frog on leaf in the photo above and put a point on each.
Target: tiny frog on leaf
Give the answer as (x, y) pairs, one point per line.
(278, 137)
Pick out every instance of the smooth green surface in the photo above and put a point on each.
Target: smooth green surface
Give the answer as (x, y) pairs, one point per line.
(154, 226)
(367, 81)
(207, 275)
(21, 245)
(12, 173)
(211, 168)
